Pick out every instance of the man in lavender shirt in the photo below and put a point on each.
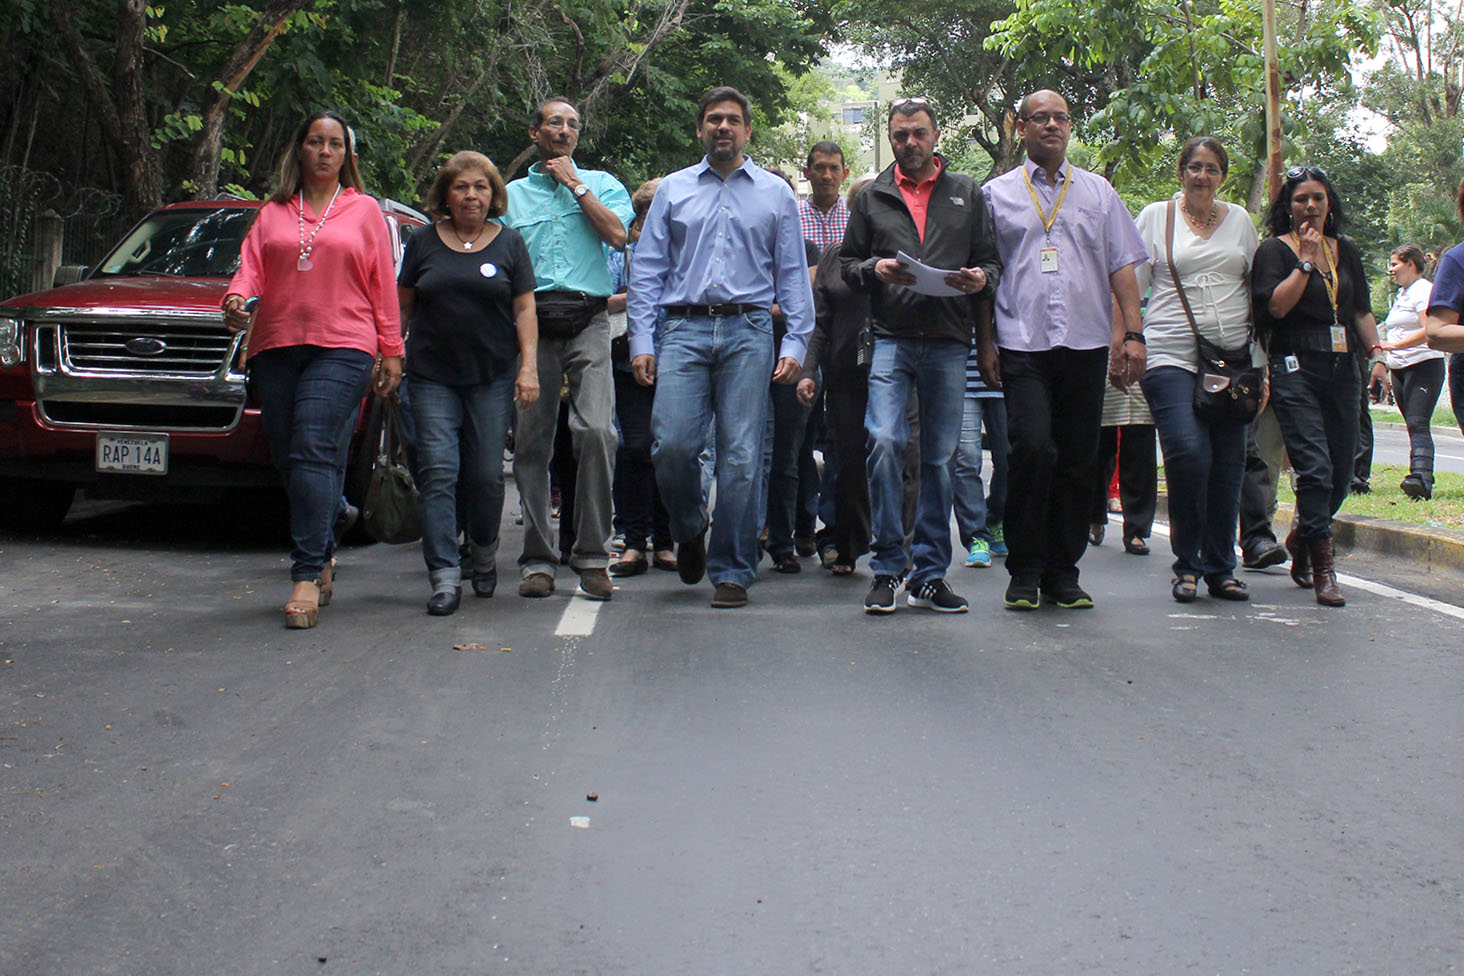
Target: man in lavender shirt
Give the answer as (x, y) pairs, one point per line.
(1067, 305)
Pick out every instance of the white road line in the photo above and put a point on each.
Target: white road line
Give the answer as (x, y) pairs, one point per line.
(578, 619)
(1381, 589)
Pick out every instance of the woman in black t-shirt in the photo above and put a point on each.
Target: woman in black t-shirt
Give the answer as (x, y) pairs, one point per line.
(467, 295)
(1315, 316)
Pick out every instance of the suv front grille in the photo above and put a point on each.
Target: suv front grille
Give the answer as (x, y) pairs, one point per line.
(141, 415)
(171, 349)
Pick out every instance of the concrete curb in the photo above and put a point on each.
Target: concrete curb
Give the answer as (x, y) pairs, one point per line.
(1433, 549)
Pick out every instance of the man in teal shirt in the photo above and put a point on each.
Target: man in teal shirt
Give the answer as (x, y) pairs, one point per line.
(568, 216)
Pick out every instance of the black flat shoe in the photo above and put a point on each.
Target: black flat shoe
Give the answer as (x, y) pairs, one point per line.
(1230, 589)
(1136, 546)
(629, 567)
(1184, 589)
(667, 563)
(444, 602)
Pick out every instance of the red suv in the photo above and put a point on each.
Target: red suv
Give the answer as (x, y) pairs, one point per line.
(125, 382)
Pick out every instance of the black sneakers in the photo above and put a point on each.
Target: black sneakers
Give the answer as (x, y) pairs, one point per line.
(881, 598)
(1069, 596)
(1022, 594)
(935, 594)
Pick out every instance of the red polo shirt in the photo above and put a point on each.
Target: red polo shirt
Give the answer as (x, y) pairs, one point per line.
(917, 195)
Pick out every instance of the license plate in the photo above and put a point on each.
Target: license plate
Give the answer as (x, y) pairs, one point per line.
(132, 453)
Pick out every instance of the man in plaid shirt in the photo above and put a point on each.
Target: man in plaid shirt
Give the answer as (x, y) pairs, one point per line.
(824, 215)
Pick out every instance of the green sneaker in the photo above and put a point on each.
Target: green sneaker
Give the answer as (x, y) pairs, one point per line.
(980, 554)
(998, 539)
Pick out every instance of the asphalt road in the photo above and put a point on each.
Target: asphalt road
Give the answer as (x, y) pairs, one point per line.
(1390, 446)
(186, 787)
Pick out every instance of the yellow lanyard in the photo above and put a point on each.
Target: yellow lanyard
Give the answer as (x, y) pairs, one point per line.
(1332, 280)
(1047, 221)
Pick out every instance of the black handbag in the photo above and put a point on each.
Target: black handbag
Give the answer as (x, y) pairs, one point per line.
(392, 509)
(1227, 386)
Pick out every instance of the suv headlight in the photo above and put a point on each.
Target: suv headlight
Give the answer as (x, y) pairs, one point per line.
(12, 340)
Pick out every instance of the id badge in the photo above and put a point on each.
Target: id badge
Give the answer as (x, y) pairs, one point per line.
(1292, 365)
(1339, 338)
(1049, 260)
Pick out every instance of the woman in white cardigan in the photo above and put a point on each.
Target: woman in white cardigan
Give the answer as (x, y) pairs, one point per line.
(1213, 244)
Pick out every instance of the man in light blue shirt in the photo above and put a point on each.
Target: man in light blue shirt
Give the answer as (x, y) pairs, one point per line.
(721, 244)
(568, 216)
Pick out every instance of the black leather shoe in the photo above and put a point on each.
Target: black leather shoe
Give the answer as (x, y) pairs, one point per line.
(787, 563)
(1270, 553)
(691, 559)
(444, 602)
(485, 583)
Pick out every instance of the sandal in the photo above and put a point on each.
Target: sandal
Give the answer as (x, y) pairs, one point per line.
(1185, 588)
(841, 569)
(327, 581)
(301, 614)
(1228, 589)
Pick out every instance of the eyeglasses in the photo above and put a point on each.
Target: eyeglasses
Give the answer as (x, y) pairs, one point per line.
(1042, 118)
(1298, 173)
(914, 100)
(1206, 169)
(558, 123)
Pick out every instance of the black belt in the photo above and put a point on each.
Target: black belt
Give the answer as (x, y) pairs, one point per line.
(714, 311)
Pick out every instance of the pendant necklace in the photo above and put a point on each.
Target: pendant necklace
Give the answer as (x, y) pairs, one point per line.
(307, 246)
(467, 245)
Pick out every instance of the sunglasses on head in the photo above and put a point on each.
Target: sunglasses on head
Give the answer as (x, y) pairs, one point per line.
(1298, 173)
(914, 100)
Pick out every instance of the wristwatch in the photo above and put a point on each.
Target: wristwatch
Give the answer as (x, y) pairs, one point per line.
(1307, 267)
(581, 190)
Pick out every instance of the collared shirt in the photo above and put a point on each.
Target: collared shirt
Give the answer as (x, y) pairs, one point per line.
(1094, 235)
(823, 227)
(567, 253)
(708, 241)
(917, 195)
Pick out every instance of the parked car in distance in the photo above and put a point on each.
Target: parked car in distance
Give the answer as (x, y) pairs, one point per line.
(125, 382)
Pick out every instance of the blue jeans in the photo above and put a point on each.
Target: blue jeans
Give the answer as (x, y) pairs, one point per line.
(1204, 465)
(975, 510)
(714, 369)
(1316, 406)
(937, 367)
(309, 399)
(460, 435)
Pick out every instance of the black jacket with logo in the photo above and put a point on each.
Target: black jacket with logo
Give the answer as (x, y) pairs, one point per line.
(958, 234)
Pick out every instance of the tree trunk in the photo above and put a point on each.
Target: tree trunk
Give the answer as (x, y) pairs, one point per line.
(120, 109)
(396, 43)
(244, 58)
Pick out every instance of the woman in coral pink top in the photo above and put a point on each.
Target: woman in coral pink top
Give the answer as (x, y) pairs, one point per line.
(319, 259)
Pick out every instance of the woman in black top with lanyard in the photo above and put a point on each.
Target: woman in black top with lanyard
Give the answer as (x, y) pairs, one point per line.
(1313, 312)
(467, 296)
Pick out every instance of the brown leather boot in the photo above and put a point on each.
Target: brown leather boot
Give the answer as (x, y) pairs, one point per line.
(1324, 575)
(1300, 558)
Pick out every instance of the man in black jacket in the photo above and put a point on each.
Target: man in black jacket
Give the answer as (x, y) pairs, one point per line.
(919, 208)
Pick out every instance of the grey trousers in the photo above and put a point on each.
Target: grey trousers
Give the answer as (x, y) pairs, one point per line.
(585, 361)
(1265, 454)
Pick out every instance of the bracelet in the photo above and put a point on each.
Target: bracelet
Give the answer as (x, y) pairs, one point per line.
(1134, 337)
(1374, 346)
